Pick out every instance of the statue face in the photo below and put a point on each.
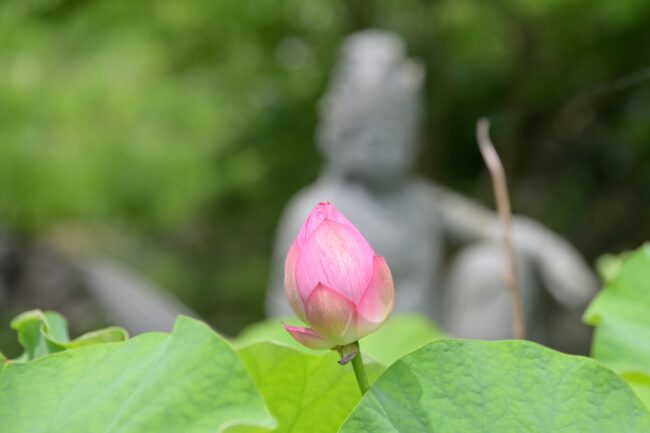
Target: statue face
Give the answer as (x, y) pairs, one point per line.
(371, 111)
(376, 149)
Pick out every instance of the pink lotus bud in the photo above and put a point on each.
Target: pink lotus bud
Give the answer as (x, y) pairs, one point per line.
(335, 282)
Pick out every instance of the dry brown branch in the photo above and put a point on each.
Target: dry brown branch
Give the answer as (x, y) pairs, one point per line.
(500, 187)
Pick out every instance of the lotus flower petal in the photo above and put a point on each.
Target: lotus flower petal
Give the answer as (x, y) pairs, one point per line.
(330, 313)
(322, 212)
(290, 288)
(337, 256)
(308, 337)
(378, 299)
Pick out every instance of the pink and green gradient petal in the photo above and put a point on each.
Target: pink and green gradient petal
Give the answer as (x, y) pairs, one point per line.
(308, 337)
(378, 299)
(331, 314)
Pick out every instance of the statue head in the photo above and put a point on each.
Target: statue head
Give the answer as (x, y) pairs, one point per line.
(370, 116)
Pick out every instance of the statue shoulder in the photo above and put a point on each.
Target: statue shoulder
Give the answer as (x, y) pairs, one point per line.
(296, 210)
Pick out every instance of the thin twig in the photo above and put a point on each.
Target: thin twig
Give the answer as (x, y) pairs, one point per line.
(500, 187)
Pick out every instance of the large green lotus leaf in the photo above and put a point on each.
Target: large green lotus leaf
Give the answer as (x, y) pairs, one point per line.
(621, 315)
(305, 393)
(640, 383)
(460, 386)
(188, 381)
(400, 335)
(41, 333)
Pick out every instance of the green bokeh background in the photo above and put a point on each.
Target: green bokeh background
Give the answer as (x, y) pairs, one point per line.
(170, 134)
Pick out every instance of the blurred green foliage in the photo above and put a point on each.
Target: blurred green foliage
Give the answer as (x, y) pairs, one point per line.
(619, 314)
(172, 133)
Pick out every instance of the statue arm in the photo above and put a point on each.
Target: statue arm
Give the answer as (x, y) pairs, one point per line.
(463, 220)
(564, 272)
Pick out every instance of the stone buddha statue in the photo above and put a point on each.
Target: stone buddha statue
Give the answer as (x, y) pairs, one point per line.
(444, 250)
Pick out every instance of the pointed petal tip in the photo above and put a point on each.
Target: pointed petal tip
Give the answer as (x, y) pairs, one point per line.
(308, 337)
(323, 211)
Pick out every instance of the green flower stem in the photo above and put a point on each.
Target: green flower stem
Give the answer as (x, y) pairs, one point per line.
(360, 370)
